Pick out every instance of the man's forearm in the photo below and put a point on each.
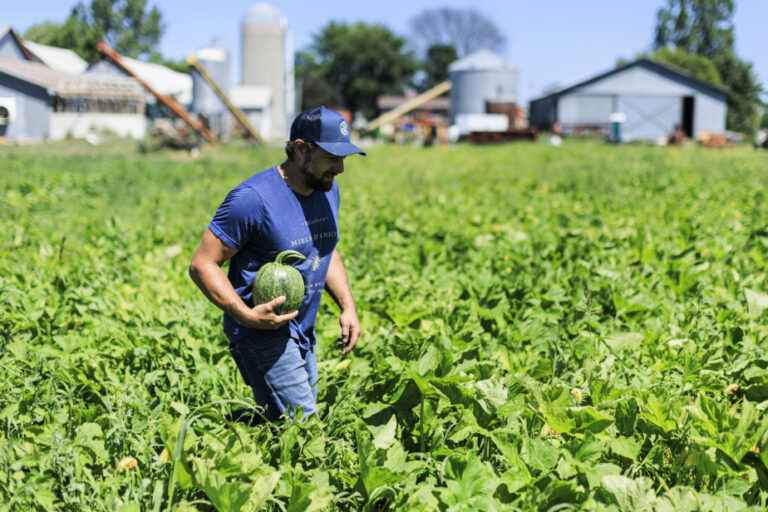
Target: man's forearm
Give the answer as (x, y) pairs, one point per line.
(337, 283)
(213, 282)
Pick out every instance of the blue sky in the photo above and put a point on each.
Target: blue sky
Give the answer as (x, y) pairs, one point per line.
(551, 41)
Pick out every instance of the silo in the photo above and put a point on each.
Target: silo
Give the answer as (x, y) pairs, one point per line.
(204, 100)
(267, 61)
(480, 77)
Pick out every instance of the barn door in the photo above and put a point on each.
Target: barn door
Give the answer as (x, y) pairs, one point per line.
(649, 117)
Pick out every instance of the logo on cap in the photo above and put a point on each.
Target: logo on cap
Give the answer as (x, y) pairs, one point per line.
(343, 128)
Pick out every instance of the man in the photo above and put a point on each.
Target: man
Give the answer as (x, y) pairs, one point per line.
(291, 206)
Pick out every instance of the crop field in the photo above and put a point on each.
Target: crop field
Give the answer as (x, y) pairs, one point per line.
(573, 328)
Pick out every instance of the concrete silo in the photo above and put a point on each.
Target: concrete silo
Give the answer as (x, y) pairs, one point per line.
(215, 60)
(480, 77)
(267, 61)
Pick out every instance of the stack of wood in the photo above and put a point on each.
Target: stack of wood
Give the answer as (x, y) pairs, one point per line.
(712, 140)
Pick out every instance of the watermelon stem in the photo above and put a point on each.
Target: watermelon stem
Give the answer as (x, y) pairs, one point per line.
(289, 254)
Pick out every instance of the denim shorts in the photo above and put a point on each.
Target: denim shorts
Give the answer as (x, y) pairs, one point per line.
(282, 375)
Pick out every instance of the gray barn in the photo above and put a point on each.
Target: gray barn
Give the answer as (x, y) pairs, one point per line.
(38, 102)
(654, 98)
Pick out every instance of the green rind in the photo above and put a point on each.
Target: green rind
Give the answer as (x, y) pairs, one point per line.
(276, 279)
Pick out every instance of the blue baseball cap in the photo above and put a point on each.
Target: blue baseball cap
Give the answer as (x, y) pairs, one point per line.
(326, 128)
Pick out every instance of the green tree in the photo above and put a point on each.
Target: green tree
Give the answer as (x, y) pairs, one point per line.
(764, 109)
(315, 87)
(129, 26)
(357, 62)
(705, 27)
(73, 33)
(696, 66)
(439, 57)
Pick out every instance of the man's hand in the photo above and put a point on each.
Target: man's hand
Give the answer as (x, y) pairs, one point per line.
(350, 329)
(263, 316)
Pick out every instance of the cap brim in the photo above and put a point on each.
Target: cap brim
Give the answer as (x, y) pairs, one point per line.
(341, 148)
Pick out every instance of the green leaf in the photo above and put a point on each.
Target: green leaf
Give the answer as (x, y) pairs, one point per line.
(757, 302)
(595, 474)
(539, 454)
(624, 341)
(384, 435)
(626, 447)
(313, 496)
(630, 495)
(469, 482)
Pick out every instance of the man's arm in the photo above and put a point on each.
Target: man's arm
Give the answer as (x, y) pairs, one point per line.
(205, 270)
(337, 284)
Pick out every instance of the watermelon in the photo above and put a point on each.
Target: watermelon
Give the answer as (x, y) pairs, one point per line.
(277, 278)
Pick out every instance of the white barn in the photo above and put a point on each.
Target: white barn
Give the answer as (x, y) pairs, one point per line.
(39, 102)
(654, 99)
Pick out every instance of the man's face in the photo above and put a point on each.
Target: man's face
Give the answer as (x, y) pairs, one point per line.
(320, 168)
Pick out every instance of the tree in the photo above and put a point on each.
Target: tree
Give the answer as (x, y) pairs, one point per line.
(705, 27)
(127, 25)
(439, 57)
(701, 27)
(467, 30)
(694, 65)
(359, 62)
(314, 86)
(764, 110)
(744, 91)
(73, 34)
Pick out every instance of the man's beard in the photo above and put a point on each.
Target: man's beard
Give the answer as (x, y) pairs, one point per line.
(314, 182)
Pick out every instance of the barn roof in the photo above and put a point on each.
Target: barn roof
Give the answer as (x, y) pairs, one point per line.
(665, 70)
(479, 60)
(60, 59)
(163, 79)
(69, 84)
(28, 54)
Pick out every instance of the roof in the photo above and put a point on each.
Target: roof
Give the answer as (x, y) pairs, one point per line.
(28, 54)
(665, 70)
(164, 80)
(69, 84)
(480, 60)
(265, 14)
(212, 53)
(250, 96)
(391, 102)
(61, 59)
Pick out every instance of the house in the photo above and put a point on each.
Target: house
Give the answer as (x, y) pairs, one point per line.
(39, 102)
(651, 98)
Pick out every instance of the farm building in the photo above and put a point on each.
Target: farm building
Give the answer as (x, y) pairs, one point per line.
(256, 103)
(163, 79)
(39, 102)
(60, 59)
(478, 81)
(651, 98)
(436, 110)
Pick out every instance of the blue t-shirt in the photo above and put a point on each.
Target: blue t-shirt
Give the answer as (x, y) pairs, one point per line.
(262, 217)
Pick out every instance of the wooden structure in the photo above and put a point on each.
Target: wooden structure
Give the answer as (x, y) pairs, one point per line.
(169, 102)
(409, 105)
(193, 61)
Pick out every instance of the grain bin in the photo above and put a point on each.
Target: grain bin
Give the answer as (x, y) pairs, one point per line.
(267, 61)
(480, 77)
(215, 60)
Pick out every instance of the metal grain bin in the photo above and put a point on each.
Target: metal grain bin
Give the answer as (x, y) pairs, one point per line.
(267, 60)
(204, 99)
(480, 77)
